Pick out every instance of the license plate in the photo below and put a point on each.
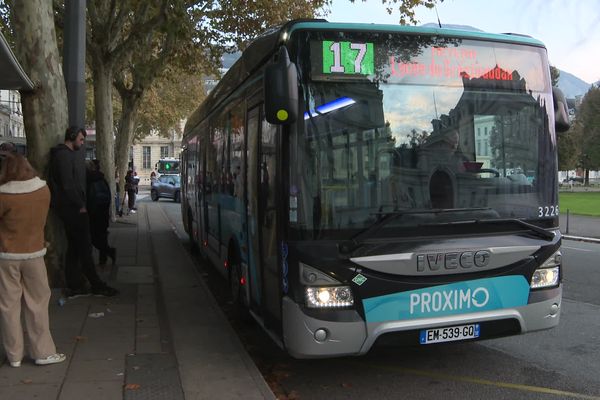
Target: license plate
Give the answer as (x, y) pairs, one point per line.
(449, 334)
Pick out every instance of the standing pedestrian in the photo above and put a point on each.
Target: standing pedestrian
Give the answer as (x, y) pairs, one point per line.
(118, 207)
(98, 206)
(68, 201)
(7, 147)
(130, 188)
(24, 203)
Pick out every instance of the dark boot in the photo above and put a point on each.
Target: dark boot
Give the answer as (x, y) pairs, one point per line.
(112, 253)
(102, 258)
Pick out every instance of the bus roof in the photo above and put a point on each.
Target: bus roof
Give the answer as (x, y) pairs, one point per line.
(267, 43)
(414, 30)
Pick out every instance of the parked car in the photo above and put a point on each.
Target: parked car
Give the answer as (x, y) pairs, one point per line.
(166, 186)
(574, 179)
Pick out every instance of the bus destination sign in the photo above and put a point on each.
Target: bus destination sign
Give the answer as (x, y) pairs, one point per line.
(348, 58)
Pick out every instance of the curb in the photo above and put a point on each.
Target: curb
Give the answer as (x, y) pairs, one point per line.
(581, 239)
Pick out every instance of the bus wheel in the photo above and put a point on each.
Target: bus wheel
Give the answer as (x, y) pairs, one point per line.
(190, 231)
(238, 291)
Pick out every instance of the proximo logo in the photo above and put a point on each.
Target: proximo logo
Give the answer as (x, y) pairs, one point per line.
(449, 300)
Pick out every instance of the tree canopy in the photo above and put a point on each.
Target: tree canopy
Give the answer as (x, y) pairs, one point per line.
(554, 75)
(569, 147)
(589, 115)
(406, 8)
(168, 101)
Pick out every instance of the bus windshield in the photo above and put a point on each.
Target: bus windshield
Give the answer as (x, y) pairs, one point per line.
(405, 123)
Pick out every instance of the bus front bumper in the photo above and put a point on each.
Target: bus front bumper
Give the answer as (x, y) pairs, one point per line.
(308, 337)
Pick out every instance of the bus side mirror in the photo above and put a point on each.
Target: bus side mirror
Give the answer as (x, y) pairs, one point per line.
(281, 90)
(561, 112)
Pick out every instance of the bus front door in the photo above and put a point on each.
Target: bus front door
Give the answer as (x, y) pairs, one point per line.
(262, 221)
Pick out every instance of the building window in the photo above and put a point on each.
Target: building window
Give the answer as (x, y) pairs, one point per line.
(146, 162)
(164, 151)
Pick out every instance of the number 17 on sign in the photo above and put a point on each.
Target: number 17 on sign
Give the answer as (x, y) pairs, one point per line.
(348, 58)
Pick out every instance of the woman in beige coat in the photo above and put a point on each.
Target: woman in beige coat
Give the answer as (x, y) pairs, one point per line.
(24, 202)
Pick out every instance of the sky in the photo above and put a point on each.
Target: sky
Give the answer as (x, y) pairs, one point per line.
(570, 29)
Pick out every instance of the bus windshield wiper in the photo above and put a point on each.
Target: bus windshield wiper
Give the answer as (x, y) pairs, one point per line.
(541, 232)
(384, 218)
(538, 231)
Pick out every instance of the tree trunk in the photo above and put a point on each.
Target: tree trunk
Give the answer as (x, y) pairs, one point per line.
(103, 77)
(45, 113)
(131, 105)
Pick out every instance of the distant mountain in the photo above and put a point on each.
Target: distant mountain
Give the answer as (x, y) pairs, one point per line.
(571, 85)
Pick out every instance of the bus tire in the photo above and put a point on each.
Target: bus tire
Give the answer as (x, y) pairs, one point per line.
(190, 232)
(237, 290)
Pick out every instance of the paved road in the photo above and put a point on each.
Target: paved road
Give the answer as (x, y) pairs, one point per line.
(562, 363)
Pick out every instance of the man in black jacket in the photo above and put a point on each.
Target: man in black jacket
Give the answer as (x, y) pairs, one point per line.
(66, 181)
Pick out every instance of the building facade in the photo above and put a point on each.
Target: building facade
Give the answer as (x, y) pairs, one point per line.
(11, 119)
(145, 154)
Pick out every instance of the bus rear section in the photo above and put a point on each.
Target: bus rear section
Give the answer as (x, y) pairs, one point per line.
(422, 197)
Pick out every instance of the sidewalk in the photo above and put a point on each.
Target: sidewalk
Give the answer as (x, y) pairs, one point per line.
(164, 337)
(580, 227)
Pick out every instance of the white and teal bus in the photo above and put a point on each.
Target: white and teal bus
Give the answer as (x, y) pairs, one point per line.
(357, 181)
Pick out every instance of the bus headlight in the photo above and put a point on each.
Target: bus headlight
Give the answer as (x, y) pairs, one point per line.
(548, 275)
(329, 297)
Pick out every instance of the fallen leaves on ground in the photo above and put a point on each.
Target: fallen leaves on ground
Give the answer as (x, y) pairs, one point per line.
(132, 386)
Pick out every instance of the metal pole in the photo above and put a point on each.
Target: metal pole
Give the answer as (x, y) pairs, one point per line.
(74, 70)
(567, 232)
(74, 60)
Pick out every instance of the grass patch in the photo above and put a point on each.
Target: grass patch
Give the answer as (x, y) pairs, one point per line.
(582, 203)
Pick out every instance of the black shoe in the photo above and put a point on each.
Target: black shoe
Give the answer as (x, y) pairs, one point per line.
(112, 253)
(75, 293)
(102, 258)
(105, 291)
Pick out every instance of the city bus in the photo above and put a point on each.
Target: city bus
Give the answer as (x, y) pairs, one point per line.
(355, 182)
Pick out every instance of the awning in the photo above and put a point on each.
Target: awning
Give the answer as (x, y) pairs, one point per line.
(12, 75)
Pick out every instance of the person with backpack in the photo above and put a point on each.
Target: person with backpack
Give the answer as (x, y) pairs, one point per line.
(130, 185)
(66, 178)
(98, 206)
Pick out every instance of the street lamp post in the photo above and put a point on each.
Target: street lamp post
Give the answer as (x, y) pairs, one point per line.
(74, 60)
